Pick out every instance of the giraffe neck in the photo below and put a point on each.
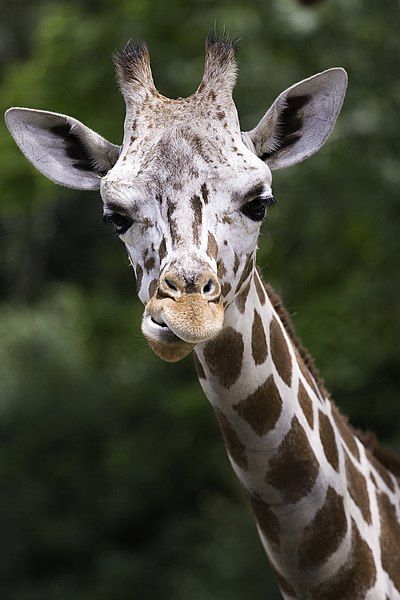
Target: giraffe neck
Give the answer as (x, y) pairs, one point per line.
(320, 500)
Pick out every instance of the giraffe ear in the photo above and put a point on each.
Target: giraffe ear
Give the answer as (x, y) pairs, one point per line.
(300, 120)
(61, 147)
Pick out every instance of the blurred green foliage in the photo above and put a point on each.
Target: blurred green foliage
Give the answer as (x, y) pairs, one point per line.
(114, 481)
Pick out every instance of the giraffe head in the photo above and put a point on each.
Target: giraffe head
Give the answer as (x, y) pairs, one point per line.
(186, 191)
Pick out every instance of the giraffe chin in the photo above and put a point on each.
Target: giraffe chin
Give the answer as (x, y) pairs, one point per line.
(163, 341)
(172, 351)
(172, 327)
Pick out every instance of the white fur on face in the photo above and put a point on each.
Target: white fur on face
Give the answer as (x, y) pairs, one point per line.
(183, 186)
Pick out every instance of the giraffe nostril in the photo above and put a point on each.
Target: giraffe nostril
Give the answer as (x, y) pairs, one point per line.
(208, 287)
(171, 285)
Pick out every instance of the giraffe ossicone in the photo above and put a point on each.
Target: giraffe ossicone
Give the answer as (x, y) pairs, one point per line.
(187, 192)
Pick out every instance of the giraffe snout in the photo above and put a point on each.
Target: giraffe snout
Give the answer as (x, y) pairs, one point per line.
(184, 311)
(174, 284)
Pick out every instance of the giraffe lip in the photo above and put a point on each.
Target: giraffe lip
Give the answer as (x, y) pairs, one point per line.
(154, 326)
(163, 340)
(190, 318)
(158, 321)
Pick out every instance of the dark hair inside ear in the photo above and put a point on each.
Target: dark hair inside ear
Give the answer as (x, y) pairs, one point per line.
(76, 149)
(290, 123)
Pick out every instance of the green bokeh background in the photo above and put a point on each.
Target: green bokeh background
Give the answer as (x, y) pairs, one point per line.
(114, 482)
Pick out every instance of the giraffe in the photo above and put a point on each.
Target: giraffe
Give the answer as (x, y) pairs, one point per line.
(187, 192)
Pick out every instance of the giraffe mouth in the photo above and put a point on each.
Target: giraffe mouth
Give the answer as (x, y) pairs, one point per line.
(158, 321)
(173, 327)
(163, 341)
(154, 326)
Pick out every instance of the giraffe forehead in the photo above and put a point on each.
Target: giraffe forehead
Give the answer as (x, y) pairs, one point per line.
(159, 111)
(186, 152)
(178, 161)
(181, 137)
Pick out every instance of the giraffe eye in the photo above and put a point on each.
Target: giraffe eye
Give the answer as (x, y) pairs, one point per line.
(121, 223)
(255, 209)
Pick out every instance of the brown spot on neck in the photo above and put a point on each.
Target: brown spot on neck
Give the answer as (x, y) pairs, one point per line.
(241, 299)
(247, 269)
(325, 532)
(328, 440)
(354, 578)
(259, 347)
(262, 409)
(280, 352)
(259, 288)
(224, 356)
(294, 469)
(390, 539)
(306, 404)
(357, 486)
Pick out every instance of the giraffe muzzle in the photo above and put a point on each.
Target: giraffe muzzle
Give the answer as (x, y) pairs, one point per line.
(173, 326)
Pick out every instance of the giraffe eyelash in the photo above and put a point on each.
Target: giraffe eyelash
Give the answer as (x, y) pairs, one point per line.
(120, 222)
(256, 208)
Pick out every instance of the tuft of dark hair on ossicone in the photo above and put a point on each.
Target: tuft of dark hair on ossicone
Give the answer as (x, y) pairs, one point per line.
(220, 68)
(132, 66)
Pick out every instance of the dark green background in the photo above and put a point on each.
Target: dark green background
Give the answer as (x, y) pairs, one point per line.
(113, 477)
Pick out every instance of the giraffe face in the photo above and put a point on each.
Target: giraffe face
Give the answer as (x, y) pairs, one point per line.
(189, 203)
(186, 190)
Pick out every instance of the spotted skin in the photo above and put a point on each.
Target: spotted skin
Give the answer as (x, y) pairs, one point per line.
(327, 511)
(323, 536)
(259, 347)
(262, 409)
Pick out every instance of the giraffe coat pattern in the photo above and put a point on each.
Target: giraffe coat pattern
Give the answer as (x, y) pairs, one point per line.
(187, 192)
